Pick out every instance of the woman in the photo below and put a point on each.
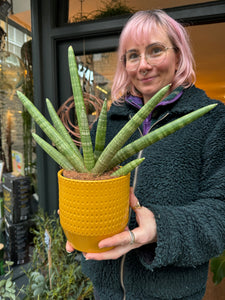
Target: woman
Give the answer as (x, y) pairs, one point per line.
(178, 193)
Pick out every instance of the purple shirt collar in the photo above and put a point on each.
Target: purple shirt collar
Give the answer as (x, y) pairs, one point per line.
(138, 103)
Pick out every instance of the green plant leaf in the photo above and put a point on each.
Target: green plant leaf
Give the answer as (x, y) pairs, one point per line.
(9, 295)
(101, 131)
(86, 142)
(52, 133)
(2, 282)
(8, 283)
(34, 286)
(38, 292)
(61, 128)
(9, 263)
(66, 277)
(125, 133)
(53, 153)
(157, 135)
(124, 170)
(80, 108)
(218, 268)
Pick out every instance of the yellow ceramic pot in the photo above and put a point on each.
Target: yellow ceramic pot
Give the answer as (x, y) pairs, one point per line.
(93, 210)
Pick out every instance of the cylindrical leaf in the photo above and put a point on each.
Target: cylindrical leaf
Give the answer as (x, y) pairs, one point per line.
(53, 153)
(157, 135)
(52, 133)
(101, 131)
(61, 128)
(79, 106)
(124, 170)
(86, 142)
(124, 134)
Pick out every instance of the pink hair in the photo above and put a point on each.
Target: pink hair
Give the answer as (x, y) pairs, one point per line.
(139, 28)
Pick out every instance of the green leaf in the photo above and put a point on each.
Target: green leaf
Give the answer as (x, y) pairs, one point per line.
(8, 283)
(2, 282)
(86, 142)
(9, 295)
(80, 108)
(11, 290)
(218, 268)
(125, 133)
(53, 153)
(38, 292)
(157, 135)
(128, 167)
(34, 286)
(61, 128)
(9, 263)
(101, 131)
(52, 133)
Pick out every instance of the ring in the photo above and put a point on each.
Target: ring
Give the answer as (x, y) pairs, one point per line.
(138, 205)
(132, 236)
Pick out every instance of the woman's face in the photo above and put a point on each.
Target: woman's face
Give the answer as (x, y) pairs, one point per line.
(147, 78)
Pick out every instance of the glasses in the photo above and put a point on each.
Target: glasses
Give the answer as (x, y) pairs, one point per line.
(155, 54)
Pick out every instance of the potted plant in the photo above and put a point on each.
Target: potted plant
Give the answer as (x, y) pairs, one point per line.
(95, 204)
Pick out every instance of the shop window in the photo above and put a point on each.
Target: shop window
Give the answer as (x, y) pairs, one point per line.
(84, 10)
(209, 48)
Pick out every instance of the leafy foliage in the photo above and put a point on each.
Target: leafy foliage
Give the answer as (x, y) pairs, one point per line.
(107, 9)
(113, 8)
(54, 274)
(218, 268)
(8, 288)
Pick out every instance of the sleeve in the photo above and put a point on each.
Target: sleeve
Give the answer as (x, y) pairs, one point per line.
(192, 234)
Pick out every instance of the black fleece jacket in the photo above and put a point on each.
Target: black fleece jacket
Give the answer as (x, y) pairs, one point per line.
(182, 181)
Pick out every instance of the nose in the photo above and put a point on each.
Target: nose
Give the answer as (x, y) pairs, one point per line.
(143, 63)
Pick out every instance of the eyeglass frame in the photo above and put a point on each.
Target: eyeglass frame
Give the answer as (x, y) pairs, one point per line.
(123, 57)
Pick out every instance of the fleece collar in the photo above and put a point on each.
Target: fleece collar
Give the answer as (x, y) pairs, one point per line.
(138, 102)
(191, 99)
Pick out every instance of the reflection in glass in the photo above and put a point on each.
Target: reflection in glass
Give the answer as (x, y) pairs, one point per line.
(11, 71)
(90, 10)
(209, 48)
(96, 72)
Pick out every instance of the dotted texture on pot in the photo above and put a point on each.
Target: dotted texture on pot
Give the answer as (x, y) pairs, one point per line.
(93, 208)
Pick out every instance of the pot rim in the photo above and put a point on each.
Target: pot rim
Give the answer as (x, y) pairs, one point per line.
(100, 180)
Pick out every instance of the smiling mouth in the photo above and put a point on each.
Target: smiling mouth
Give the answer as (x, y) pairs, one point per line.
(148, 78)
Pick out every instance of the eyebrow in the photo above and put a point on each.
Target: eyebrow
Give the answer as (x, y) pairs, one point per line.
(155, 43)
(135, 50)
(131, 50)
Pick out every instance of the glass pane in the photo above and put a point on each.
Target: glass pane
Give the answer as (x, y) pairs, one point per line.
(98, 69)
(83, 10)
(15, 73)
(97, 72)
(209, 49)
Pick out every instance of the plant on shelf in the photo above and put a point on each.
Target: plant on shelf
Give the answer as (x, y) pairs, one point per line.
(96, 162)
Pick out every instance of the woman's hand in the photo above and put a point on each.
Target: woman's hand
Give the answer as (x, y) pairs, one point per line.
(145, 233)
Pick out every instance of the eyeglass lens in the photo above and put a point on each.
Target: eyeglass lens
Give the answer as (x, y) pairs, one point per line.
(154, 55)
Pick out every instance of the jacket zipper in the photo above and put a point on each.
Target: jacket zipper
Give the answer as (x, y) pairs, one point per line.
(134, 186)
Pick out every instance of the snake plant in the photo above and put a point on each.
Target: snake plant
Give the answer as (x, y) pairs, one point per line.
(100, 159)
